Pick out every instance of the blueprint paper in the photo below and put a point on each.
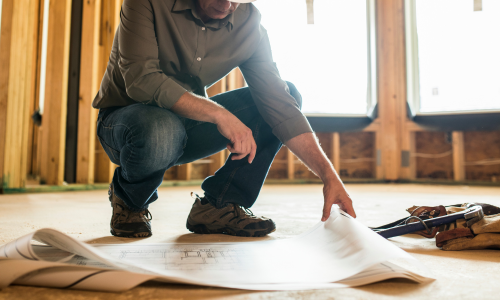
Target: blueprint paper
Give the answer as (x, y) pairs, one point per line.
(337, 253)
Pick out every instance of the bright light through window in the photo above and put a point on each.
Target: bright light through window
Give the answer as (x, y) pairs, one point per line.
(458, 54)
(327, 61)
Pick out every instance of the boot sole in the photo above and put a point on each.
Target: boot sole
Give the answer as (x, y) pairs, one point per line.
(131, 234)
(203, 229)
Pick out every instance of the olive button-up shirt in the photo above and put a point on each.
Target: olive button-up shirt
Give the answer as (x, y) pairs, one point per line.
(162, 49)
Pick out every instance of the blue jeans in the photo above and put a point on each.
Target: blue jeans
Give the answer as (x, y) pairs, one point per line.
(145, 141)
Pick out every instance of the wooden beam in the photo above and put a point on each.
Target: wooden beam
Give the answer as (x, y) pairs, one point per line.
(290, 158)
(412, 126)
(374, 126)
(5, 50)
(458, 156)
(184, 171)
(33, 133)
(218, 88)
(32, 72)
(34, 142)
(336, 151)
(18, 56)
(218, 160)
(231, 80)
(392, 85)
(413, 159)
(56, 93)
(408, 160)
(235, 80)
(89, 85)
(240, 80)
(379, 168)
(109, 21)
(310, 11)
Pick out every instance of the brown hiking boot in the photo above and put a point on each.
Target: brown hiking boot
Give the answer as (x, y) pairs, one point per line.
(232, 219)
(127, 223)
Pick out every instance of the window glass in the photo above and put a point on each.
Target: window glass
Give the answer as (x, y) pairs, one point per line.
(458, 55)
(327, 60)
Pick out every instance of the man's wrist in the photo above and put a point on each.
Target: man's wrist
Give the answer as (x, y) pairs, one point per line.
(222, 116)
(329, 176)
(219, 115)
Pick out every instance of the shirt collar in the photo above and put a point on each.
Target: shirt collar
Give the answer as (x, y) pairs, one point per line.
(180, 5)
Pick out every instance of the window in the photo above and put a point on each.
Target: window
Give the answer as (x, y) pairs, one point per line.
(328, 61)
(453, 59)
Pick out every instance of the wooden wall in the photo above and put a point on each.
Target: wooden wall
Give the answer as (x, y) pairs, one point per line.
(480, 150)
(392, 148)
(18, 64)
(435, 158)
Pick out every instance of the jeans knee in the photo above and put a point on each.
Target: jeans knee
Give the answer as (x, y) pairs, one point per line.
(159, 138)
(295, 94)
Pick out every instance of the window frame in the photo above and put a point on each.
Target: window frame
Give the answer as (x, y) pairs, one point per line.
(413, 72)
(372, 84)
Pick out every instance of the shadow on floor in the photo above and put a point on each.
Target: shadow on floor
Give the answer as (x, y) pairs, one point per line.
(114, 240)
(394, 287)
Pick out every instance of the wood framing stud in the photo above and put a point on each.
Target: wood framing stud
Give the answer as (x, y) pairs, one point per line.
(379, 169)
(310, 11)
(290, 157)
(184, 171)
(458, 156)
(336, 151)
(56, 93)
(218, 161)
(18, 54)
(89, 76)
(109, 21)
(392, 85)
(5, 49)
(408, 160)
(373, 127)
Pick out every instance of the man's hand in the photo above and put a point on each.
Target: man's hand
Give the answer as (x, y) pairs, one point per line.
(202, 109)
(240, 136)
(336, 194)
(307, 149)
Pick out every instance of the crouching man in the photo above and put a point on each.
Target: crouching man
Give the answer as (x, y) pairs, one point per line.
(154, 114)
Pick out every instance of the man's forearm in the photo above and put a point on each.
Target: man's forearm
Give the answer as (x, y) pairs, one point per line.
(241, 141)
(198, 108)
(308, 150)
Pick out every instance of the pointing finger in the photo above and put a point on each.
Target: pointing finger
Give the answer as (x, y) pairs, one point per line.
(326, 211)
(252, 152)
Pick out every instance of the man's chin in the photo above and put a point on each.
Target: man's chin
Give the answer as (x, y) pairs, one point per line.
(218, 15)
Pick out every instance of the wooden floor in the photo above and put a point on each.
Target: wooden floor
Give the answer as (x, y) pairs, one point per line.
(295, 208)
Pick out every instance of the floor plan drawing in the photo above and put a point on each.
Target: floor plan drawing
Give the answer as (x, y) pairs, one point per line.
(336, 253)
(185, 257)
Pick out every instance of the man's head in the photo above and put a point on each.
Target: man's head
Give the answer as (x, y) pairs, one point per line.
(218, 9)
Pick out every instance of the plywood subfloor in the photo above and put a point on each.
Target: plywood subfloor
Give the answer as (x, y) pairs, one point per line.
(85, 215)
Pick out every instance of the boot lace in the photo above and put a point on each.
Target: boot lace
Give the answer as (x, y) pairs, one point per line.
(147, 214)
(241, 209)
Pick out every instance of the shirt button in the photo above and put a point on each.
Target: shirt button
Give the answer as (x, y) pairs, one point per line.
(198, 59)
(202, 28)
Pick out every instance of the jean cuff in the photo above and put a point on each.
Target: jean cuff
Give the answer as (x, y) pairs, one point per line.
(121, 194)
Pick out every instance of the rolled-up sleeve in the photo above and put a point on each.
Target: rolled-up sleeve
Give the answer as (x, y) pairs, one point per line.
(139, 63)
(271, 94)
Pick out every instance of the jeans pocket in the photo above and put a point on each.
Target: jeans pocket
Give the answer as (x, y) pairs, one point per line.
(113, 155)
